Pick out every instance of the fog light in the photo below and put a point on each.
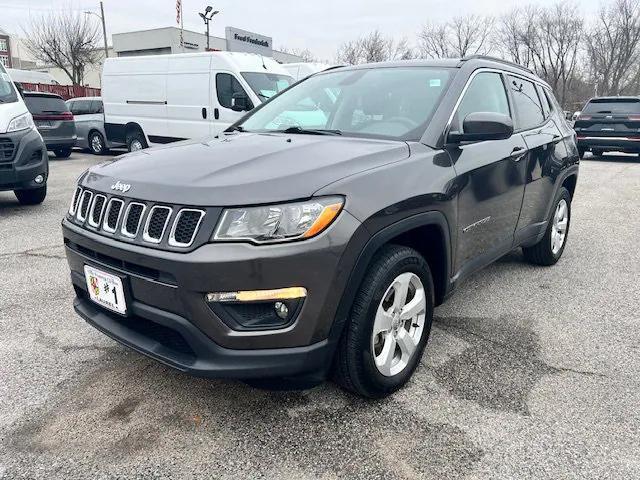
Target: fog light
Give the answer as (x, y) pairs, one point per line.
(281, 310)
(258, 295)
(39, 179)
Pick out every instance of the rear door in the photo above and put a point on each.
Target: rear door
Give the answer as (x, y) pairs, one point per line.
(51, 116)
(83, 117)
(610, 117)
(490, 176)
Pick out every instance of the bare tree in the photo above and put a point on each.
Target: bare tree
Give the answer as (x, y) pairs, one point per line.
(613, 48)
(462, 36)
(349, 53)
(401, 50)
(306, 55)
(509, 32)
(66, 40)
(374, 47)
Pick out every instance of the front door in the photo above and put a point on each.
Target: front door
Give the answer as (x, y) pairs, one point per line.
(490, 179)
(225, 86)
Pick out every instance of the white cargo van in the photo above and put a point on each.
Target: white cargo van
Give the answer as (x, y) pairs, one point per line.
(165, 98)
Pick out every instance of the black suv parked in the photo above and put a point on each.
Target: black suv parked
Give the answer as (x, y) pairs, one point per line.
(317, 234)
(609, 124)
(54, 121)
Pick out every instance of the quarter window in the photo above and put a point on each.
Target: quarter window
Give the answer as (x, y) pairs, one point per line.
(226, 86)
(485, 93)
(527, 103)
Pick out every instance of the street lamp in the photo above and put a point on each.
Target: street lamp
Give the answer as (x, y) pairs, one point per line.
(207, 16)
(104, 28)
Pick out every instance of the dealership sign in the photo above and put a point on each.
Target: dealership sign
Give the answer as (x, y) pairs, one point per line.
(243, 41)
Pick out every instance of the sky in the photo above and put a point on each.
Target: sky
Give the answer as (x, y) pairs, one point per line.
(317, 25)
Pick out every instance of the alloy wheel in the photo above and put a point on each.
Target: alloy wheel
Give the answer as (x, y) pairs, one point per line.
(398, 324)
(560, 226)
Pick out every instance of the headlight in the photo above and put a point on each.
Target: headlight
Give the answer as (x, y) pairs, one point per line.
(277, 223)
(22, 122)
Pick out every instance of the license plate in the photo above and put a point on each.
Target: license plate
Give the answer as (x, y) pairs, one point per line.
(105, 289)
(43, 123)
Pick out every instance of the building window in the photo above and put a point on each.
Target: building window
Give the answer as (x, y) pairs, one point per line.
(3, 45)
(4, 60)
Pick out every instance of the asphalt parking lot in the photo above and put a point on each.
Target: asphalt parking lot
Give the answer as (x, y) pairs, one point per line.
(530, 373)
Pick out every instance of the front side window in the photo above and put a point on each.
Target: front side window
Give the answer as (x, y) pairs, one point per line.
(226, 86)
(527, 104)
(485, 93)
(395, 103)
(7, 92)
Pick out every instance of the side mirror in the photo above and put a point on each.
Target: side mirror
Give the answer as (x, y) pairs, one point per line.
(20, 89)
(481, 126)
(240, 102)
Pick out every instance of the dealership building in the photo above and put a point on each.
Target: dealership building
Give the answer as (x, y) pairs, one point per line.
(160, 41)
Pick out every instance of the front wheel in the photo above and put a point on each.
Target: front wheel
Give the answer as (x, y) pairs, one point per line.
(549, 250)
(389, 324)
(33, 196)
(63, 152)
(97, 143)
(136, 141)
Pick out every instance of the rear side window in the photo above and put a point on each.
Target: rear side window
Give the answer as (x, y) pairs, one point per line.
(612, 105)
(528, 108)
(40, 104)
(96, 106)
(226, 86)
(546, 103)
(81, 107)
(485, 93)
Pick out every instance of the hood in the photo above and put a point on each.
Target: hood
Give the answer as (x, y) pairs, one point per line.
(9, 111)
(243, 168)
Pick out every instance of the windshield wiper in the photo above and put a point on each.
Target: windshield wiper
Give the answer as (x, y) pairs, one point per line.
(237, 128)
(309, 131)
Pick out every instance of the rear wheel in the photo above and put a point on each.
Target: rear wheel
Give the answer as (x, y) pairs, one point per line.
(597, 153)
(64, 152)
(97, 144)
(389, 325)
(34, 196)
(136, 141)
(581, 152)
(549, 250)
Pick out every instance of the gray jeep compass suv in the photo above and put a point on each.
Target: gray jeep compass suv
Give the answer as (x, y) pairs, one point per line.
(317, 234)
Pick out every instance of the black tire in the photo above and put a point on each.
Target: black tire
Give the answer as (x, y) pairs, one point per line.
(354, 366)
(542, 253)
(97, 145)
(134, 138)
(597, 153)
(33, 196)
(64, 152)
(581, 152)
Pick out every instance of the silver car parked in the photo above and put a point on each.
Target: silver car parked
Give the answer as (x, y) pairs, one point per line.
(89, 116)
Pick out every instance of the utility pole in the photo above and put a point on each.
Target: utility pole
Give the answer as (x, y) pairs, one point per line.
(104, 32)
(206, 17)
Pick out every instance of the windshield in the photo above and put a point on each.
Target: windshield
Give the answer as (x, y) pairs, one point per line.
(394, 103)
(266, 85)
(7, 92)
(627, 105)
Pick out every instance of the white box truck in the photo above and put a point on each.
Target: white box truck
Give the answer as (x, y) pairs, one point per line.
(160, 99)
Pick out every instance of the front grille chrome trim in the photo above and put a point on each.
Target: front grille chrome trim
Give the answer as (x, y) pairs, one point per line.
(172, 235)
(123, 227)
(77, 194)
(92, 211)
(145, 232)
(105, 221)
(79, 210)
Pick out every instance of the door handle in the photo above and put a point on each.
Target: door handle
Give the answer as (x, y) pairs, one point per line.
(204, 113)
(517, 153)
(556, 139)
(216, 113)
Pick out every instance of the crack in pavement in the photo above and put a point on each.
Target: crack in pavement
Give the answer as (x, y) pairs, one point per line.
(34, 252)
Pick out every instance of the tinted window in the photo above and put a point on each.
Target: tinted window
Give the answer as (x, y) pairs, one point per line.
(609, 105)
(527, 104)
(96, 106)
(392, 103)
(226, 86)
(546, 104)
(41, 104)
(485, 93)
(81, 107)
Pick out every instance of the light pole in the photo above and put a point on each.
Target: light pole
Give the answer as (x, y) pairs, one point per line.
(104, 28)
(207, 16)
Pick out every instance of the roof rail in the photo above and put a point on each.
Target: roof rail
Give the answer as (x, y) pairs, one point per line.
(496, 59)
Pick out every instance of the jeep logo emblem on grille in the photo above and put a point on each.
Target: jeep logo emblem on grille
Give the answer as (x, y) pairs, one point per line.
(123, 187)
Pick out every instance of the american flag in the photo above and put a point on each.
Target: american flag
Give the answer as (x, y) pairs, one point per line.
(178, 10)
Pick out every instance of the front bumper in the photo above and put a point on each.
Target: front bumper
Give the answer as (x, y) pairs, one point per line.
(171, 322)
(619, 144)
(28, 160)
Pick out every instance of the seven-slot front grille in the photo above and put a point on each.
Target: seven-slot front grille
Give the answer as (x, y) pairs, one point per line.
(7, 149)
(136, 221)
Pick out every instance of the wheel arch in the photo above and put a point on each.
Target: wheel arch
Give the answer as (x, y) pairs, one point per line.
(570, 183)
(426, 232)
